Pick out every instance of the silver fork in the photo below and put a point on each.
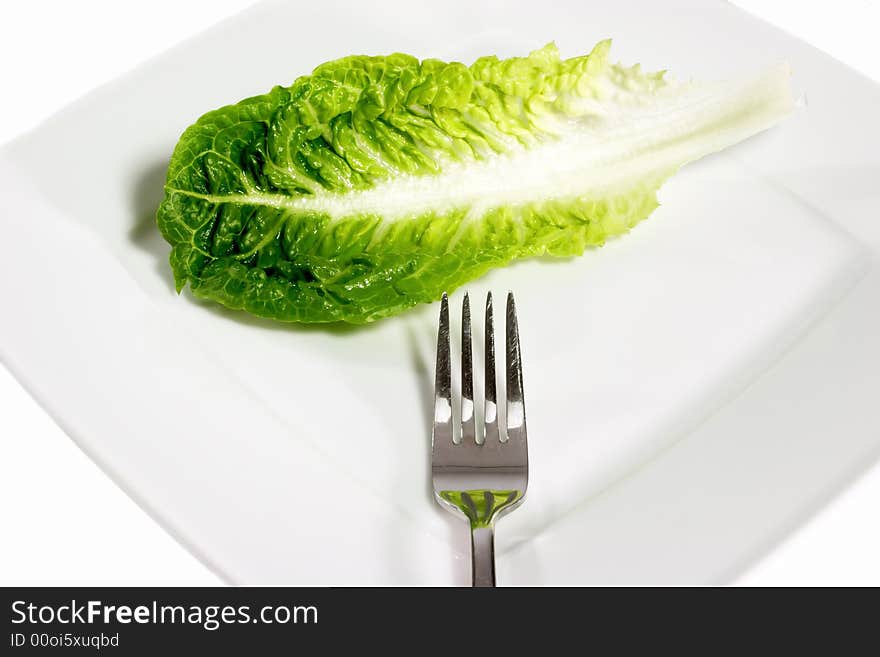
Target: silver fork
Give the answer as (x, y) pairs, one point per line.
(479, 480)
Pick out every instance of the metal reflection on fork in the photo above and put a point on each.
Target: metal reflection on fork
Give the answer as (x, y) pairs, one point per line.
(480, 481)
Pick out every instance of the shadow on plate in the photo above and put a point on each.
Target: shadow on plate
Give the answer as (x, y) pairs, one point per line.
(424, 383)
(145, 196)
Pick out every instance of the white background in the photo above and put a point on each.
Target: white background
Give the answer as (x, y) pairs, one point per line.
(65, 523)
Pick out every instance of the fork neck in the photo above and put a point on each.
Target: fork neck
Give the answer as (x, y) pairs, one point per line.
(483, 555)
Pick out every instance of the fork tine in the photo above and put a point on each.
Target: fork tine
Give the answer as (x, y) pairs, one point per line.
(442, 433)
(491, 403)
(468, 424)
(516, 409)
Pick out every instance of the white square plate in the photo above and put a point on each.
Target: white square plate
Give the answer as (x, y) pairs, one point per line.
(693, 388)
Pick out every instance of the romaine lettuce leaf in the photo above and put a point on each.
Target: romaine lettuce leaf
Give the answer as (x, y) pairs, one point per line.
(376, 183)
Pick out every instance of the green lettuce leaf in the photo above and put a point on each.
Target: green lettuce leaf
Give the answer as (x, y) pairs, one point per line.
(376, 183)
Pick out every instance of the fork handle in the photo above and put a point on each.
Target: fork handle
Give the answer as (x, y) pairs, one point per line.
(483, 556)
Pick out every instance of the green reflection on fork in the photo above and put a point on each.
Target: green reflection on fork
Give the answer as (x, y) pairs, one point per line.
(480, 506)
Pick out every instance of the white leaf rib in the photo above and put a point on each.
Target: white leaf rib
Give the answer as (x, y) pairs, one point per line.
(591, 158)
